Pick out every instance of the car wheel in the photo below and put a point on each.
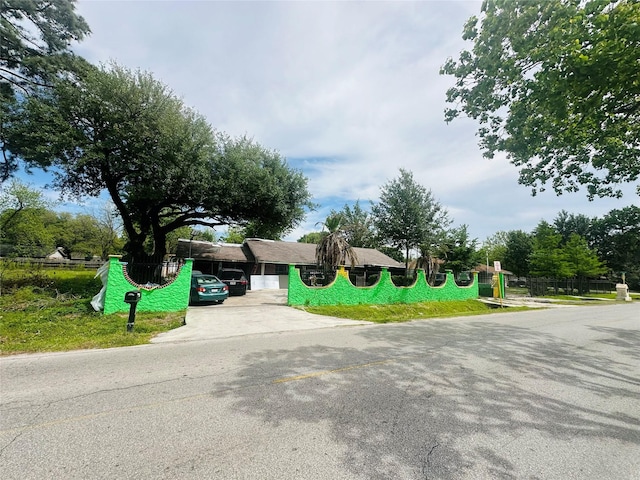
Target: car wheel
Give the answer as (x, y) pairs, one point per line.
(220, 302)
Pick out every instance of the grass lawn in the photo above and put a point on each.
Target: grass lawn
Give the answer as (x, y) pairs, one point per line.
(49, 310)
(406, 312)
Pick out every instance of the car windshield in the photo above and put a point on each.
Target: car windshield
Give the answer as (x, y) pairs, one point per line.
(207, 280)
(231, 275)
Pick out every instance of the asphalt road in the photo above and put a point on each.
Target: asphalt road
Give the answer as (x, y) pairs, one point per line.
(545, 394)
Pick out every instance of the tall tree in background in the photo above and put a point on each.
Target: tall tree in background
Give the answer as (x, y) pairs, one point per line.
(30, 233)
(408, 216)
(35, 36)
(494, 248)
(357, 225)
(161, 163)
(583, 262)
(555, 84)
(547, 257)
(519, 247)
(17, 197)
(235, 235)
(110, 228)
(313, 237)
(459, 251)
(567, 224)
(334, 249)
(78, 235)
(22, 224)
(616, 237)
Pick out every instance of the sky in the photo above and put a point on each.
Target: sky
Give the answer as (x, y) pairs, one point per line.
(347, 92)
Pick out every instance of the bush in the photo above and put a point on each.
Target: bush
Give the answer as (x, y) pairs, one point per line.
(55, 282)
(372, 279)
(402, 280)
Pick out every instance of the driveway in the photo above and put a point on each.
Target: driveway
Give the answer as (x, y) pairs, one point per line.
(266, 311)
(260, 311)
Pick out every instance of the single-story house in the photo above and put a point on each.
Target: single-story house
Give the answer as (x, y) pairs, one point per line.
(58, 254)
(266, 262)
(486, 272)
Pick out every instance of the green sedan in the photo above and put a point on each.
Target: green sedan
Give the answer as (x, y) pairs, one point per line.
(208, 288)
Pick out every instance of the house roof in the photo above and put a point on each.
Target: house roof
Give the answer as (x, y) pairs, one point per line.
(270, 251)
(490, 269)
(227, 252)
(58, 253)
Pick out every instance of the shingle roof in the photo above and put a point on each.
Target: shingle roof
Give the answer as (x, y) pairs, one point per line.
(489, 269)
(271, 251)
(213, 251)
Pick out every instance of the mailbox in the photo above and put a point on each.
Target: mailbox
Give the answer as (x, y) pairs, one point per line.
(132, 298)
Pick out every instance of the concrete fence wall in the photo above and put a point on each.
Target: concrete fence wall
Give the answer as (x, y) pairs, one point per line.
(171, 297)
(342, 292)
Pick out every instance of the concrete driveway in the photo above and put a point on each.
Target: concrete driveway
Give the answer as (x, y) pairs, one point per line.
(261, 311)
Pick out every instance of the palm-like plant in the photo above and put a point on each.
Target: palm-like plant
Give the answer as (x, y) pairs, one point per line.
(334, 250)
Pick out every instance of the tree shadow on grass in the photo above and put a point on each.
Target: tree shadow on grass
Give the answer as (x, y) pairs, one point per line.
(446, 399)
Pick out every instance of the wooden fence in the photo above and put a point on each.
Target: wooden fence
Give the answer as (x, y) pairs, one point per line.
(55, 263)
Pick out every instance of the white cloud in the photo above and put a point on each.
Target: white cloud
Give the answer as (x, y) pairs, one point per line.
(348, 91)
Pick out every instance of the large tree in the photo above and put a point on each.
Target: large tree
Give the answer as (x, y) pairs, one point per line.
(357, 225)
(15, 198)
(547, 258)
(313, 237)
(22, 224)
(459, 250)
(161, 162)
(568, 224)
(583, 261)
(616, 237)
(109, 230)
(519, 246)
(408, 216)
(555, 84)
(494, 248)
(29, 233)
(35, 36)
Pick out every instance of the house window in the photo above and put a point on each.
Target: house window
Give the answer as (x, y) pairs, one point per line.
(282, 269)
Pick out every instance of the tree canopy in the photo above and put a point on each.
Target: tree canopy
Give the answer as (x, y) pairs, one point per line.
(616, 238)
(357, 225)
(162, 164)
(555, 84)
(408, 216)
(35, 36)
(32, 229)
(519, 246)
(547, 258)
(459, 250)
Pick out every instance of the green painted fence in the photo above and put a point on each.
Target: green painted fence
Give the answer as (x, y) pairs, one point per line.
(171, 297)
(342, 292)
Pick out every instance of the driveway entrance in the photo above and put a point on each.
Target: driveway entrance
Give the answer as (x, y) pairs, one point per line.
(260, 311)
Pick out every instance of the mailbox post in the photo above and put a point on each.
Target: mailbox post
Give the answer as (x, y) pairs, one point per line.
(132, 298)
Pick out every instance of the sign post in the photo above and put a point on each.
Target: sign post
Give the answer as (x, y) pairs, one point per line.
(498, 290)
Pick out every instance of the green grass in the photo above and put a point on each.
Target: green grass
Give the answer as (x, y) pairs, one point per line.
(54, 314)
(610, 296)
(405, 312)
